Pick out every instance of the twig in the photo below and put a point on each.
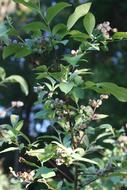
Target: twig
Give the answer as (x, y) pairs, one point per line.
(64, 174)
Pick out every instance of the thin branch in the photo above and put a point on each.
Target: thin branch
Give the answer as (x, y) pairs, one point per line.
(64, 174)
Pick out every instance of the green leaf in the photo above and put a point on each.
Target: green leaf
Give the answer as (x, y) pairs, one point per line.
(119, 92)
(28, 4)
(18, 50)
(25, 137)
(35, 153)
(119, 173)
(79, 12)
(45, 173)
(3, 33)
(87, 46)
(89, 23)
(23, 51)
(78, 93)
(44, 154)
(35, 26)
(53, 11)
(79, 36)
(60, 30)
(19, 126)
(120, 36)
(109, 88)
(30, 163)
(13, 32)
(48, 154)
(20, 80)
(66, 87)
(102, 135)
(2, 73)
(9, 50)
(59, 27)
(3, 29)
(107, 127)
(41, 114)
(9, 149)
(14, 119)
(100, 116)
(89, 84)
(77, 157)
(73, 60)
(81, 151)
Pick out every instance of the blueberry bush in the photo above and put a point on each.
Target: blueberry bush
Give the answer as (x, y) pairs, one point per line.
(79, 150)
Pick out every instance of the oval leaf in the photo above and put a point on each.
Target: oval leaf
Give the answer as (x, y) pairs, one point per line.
(89, 23)
(66, 87)
(35, 26)
(79, 12)
(73, 60)
(53, 11)
(109, 88)
(18, 50)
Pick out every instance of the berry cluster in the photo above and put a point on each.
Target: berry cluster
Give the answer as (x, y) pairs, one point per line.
(63, 157)
(105, 28)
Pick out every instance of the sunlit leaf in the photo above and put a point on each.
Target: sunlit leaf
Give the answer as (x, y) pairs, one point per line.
(89, 22)
(66, 87)
(120, 35)
(20, 80)
(2, 73)
(45, 173)
(9, 149)
(79, 12)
